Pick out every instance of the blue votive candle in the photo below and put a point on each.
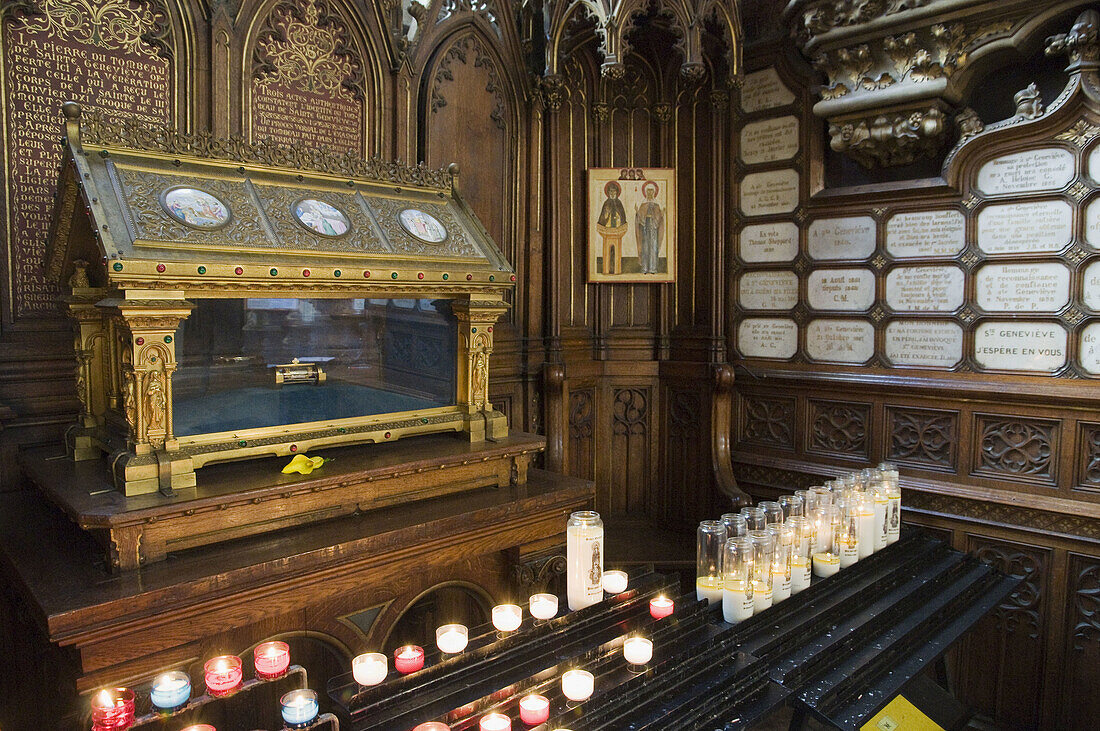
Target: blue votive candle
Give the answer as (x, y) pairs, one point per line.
(171, 691)
(299, 708)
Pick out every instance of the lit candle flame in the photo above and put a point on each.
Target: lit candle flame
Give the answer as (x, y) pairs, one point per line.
(104, 699)
(407, 653)
(221, 666)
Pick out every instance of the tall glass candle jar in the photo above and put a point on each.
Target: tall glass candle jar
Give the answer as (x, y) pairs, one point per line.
(822, 496)
(737, 599)
(756, 518)
(584, 559)
(866, 499)
(736, 525)
(826, 558)
(773, 512)
(891, 482)
(808, 501)
(801, 553)
(783, 536)
(881, 500)
(710, 537)
(763, 548)
(791, 505)
(850, 538)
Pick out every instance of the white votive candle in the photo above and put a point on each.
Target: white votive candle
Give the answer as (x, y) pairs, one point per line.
(826, 564)
(781, 584)
(800, 573)
(507, 617)
(737, 602)
(638, 650)
(849, 551)
(709, 588)
(761, 596)
(452, 638)
(614, 582)
(495, 722)
(543, 606)
(866, 529)
(577, 685)
(370, 668)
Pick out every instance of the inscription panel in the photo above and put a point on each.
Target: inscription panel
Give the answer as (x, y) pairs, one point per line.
(840, 341)
(70, 52)
(768, 290)
(925, 233)
(1023, 287)
(1037, 347)
(842, 238)
(763, 194)
(1029, 171)
(924, 343)
(925, 289)
(764, 90)
(1092, 223)
(1025, 228)
(767, 337)
(1091, 286)
(769, 140)
(1089, 350)
(769, 242)
(848, 290)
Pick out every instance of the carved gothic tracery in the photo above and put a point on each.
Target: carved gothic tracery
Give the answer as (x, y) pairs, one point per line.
(306, 46)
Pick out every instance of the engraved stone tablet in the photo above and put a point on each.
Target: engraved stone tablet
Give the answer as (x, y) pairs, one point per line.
(1038, 347)
(840, 341)
(925, 233)
(1092, 222)
(1016, 228)
(1089, 352)
(1091, 286)
(1040, 287)
(764, 90)
(769, 140)
(842, 238)
(769, 242)
(768, 290)
(850, 290)
(1029, 171)
(775, 191)
(930, 343)
(767, 337)
(925, 289)
(1094, 163)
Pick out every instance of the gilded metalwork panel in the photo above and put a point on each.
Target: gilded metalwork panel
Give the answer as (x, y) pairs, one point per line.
(279, 202)
(387, 212)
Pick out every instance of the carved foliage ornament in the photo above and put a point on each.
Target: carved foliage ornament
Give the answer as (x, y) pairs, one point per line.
(305, 45)
(888, 140)
(581, 415)
(1086, 600)
(1018, 447)
(131, 25)
(839, 428)
(631, 411)
(768, 421)
(1021, 609)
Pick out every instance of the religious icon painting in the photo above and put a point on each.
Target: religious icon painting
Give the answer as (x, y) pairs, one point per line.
(631, 225)
(321, 218)
(422, 226)
(195, 207)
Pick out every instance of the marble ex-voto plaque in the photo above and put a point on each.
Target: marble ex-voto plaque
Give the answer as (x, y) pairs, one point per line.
(236, 301)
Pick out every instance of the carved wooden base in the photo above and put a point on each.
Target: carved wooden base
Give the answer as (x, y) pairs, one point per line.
(243, 499)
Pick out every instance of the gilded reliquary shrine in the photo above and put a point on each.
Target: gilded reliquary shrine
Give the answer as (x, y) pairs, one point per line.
(228, 304)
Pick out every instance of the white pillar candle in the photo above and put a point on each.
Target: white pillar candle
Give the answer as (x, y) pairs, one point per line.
(577, 685)
(495, 722)
(614, 582)
(849, 551)
(543, 606)
(893, 519)
(452, 638)
(826, 564)
(708, 588)
(507, 617)
(637, 650)
(781, 585)
(882, 529)
(762, 596)
(800, 573)
(737, 602)
(370, 668)
(584, 560)
(866, 529)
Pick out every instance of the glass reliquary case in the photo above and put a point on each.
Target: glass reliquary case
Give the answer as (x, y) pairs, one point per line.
(234, 300)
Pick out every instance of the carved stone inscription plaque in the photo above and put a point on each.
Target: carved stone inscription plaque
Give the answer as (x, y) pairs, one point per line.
(1018, 228)
(842, 238)
(1090, 349)
(1029, 171)
(1040, 287)
(840, 341)
(69, 52)
(763, 194)
(767, 337)
(764, 90)
(769, 242)
(1091, 286)
(850, 290)
(769, 140)
(1038, 347)
(925, 289)
(768, 290)
(925, 233)
(1092, 223)
(929, 343)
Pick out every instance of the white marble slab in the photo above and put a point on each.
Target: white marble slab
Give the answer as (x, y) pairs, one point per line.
(765, 194)
(1040, 287)
(764, 90)
(847, 290)
(1090, 286)
(927, 343)
(1037, 347)
(1030, 171)
(840, 341)
(1089, 350)
(925, 233)
(767, 337)
(852, 237)
(925, 289)
(769, 242)
(769, 140)
(1021, 228)
(768, 290)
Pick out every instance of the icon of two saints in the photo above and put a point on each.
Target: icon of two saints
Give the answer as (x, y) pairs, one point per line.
(649, 227)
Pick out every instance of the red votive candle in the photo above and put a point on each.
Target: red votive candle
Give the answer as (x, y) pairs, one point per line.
(200, 727)
(660, 607)
(534, 709)
(495, 722)
(432, 726)
(222, 674)
(271, 659)
(113, 709)
(408, 659)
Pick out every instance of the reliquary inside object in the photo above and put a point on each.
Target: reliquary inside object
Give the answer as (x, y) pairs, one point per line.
(233, 300)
